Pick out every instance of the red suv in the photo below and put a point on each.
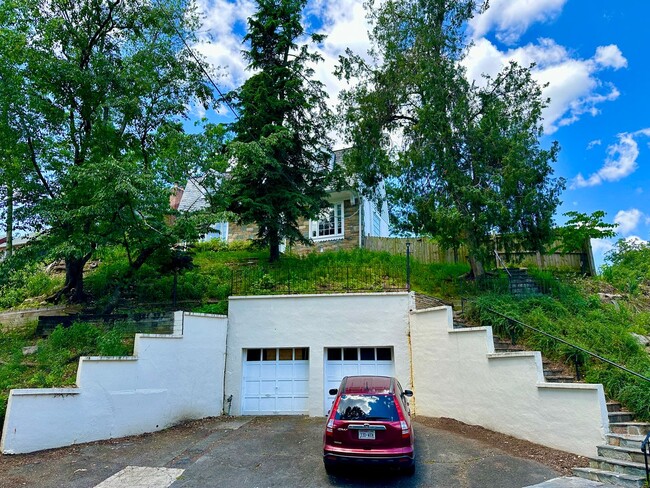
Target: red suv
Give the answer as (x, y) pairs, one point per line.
(370, 422)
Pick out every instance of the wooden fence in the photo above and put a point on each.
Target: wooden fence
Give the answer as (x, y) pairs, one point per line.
(426, 250)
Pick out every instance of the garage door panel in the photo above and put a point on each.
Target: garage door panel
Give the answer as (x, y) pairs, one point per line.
(301, 387)
(369, 369)
(284, 387)
(350, 369)
(252, 388)
(285, 370)
(251, 404)
(277, 385)
(301, 370)
(268, 371)
(300, 404)
(267, 387)
(253, 370)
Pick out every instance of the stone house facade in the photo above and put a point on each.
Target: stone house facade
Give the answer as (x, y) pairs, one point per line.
(344, 225)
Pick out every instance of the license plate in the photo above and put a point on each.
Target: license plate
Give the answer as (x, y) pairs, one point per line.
(367, 434)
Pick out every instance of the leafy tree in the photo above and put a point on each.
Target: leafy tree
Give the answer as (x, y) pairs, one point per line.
(628, 266)
(280, 147)
(580, 227)
(463, 161)
(100, 81)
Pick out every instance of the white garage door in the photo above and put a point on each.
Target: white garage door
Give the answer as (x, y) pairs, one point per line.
(276, 381)
(348, 361)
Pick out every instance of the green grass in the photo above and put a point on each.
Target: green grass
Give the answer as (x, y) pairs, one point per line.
(572, 311)
(55, 362)
(583, 320)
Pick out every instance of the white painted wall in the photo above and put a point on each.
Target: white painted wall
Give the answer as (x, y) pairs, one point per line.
(170, 378)
(457, 374)
(316, 322)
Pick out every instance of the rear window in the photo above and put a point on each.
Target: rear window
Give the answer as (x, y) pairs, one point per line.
(367, 407)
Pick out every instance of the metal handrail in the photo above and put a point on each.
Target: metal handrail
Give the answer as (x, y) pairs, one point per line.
(592, 354)
(499, 260)
(559, 339)
(644, 450)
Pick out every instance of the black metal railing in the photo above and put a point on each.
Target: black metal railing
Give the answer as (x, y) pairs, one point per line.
(278, 280)
(644, 450)
(514, 333)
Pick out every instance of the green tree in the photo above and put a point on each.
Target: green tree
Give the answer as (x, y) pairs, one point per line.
(100, 81)
(463, 161)
(280, 149)
(580, 227)
(627, 266)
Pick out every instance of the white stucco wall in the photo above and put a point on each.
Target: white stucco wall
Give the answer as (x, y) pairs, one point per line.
(170, 378)
(457, 374)
(316, 322)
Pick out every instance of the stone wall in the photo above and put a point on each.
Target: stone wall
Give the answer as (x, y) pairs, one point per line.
(350, 240)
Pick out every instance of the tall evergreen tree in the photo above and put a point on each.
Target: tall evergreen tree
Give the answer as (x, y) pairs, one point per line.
(465, 160)
(281, 151)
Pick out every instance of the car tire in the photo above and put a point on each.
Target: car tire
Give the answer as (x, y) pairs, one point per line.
(410, 470)
(330, 469)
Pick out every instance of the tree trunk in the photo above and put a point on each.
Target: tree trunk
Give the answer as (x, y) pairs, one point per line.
(274, 246)
(10, 219)
(477, 267)
(74, 279)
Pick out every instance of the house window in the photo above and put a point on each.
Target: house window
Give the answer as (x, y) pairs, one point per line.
(218, 231)
(330, 224)
(376, 224)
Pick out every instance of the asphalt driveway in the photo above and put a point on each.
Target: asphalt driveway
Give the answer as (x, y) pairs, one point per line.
(260, 452)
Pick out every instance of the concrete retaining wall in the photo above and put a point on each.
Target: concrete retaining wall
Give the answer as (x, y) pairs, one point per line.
(316, 322)
(170, 378)
(457, 374)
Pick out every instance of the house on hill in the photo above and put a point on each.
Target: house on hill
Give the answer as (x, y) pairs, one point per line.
(344, 225)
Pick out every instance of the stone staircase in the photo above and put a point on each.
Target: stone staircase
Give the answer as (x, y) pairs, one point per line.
(522, 284)
(620, 461)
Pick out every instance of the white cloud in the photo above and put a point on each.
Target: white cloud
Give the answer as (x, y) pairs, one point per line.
(594, 143)
(571, 84)
(511, 18)
(636, 240)
(610, 57)
(221, 38)
(621, 161)
(628, 220)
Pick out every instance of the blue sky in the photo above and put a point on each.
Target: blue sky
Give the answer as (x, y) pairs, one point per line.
(592, 54)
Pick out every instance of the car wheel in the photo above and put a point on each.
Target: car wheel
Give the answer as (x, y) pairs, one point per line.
(410, 470)
(330, 469)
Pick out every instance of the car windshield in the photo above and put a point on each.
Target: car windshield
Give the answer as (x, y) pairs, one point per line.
(367, 407)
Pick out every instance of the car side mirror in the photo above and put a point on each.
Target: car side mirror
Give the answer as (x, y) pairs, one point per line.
(408, 393)
(334, 391)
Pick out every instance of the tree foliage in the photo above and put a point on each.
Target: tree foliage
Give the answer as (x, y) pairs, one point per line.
(462, 159)
(280, 150)
(580, 227)
(627, 266)
(102, 84)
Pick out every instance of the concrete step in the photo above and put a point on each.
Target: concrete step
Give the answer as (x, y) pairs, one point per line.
(618, 417)
(616, 479)
(621, 453)
(631, 428)
(560, 378)
(617, 466)
(613, 406)
(625, 440)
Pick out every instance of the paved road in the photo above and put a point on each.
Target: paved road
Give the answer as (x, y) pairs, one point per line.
(260, 452)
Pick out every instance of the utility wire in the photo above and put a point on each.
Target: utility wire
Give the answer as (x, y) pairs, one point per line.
(198, 61)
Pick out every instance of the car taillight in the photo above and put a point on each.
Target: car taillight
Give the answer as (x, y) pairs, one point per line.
(406, 432)
(329, 429)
